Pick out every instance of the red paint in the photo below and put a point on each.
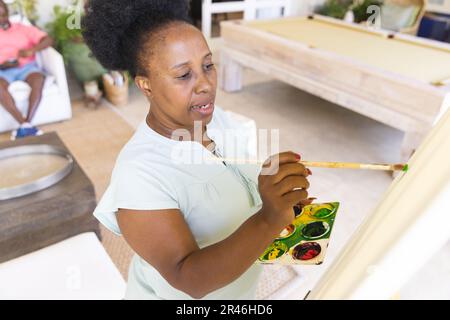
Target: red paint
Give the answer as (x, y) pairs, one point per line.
(310, 254)
(306, 251)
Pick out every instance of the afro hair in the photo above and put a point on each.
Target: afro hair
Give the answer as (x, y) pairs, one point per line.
(115, 30)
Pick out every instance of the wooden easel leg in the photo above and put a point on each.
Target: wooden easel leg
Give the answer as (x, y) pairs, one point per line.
(230, 79)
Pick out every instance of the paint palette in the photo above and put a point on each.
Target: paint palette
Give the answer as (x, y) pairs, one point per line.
(305, 241)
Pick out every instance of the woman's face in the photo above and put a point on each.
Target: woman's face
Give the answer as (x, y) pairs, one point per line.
(180, 78)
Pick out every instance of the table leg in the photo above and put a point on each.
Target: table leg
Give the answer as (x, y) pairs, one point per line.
(206, 18)
(230, 78)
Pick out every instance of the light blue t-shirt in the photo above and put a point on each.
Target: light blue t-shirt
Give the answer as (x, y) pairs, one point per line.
(155, 172)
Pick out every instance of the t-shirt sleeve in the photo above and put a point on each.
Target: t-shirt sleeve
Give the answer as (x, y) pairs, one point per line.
(34, 35)
(134, 188)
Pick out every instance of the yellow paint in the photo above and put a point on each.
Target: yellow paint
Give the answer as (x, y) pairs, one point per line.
(274, 254)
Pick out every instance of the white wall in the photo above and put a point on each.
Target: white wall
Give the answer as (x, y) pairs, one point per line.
(299, 7)
(45, 9)
(304, 7)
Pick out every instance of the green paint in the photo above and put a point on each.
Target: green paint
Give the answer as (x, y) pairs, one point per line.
(314, 229)
(324, 212)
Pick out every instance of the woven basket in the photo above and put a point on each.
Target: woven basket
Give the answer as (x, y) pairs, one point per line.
(118, 96)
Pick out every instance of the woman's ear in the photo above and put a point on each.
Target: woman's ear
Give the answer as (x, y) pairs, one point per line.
(143, 84)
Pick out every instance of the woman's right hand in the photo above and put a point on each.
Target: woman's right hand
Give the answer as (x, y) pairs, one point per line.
(282, 185)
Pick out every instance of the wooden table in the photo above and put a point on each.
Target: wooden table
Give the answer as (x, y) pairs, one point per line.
(49, 216)
(400, 80)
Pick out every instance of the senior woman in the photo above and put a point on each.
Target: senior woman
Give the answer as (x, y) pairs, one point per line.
(197, 227)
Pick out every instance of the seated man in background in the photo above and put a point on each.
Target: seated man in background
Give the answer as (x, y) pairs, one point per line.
(18, 45)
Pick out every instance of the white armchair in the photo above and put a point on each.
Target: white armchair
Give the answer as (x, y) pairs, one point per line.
(55, 104)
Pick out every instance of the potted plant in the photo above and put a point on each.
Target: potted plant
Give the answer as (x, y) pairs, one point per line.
(335, 8)
(76, 54)
(26, 8)
(360, 7)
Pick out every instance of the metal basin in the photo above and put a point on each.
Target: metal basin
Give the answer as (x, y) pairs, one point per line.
(28, 169)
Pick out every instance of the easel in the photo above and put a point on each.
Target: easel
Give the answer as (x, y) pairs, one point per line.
(407, 228)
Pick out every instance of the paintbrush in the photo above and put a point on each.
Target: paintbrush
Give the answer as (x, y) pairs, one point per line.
(323, 164)
(353, 165)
